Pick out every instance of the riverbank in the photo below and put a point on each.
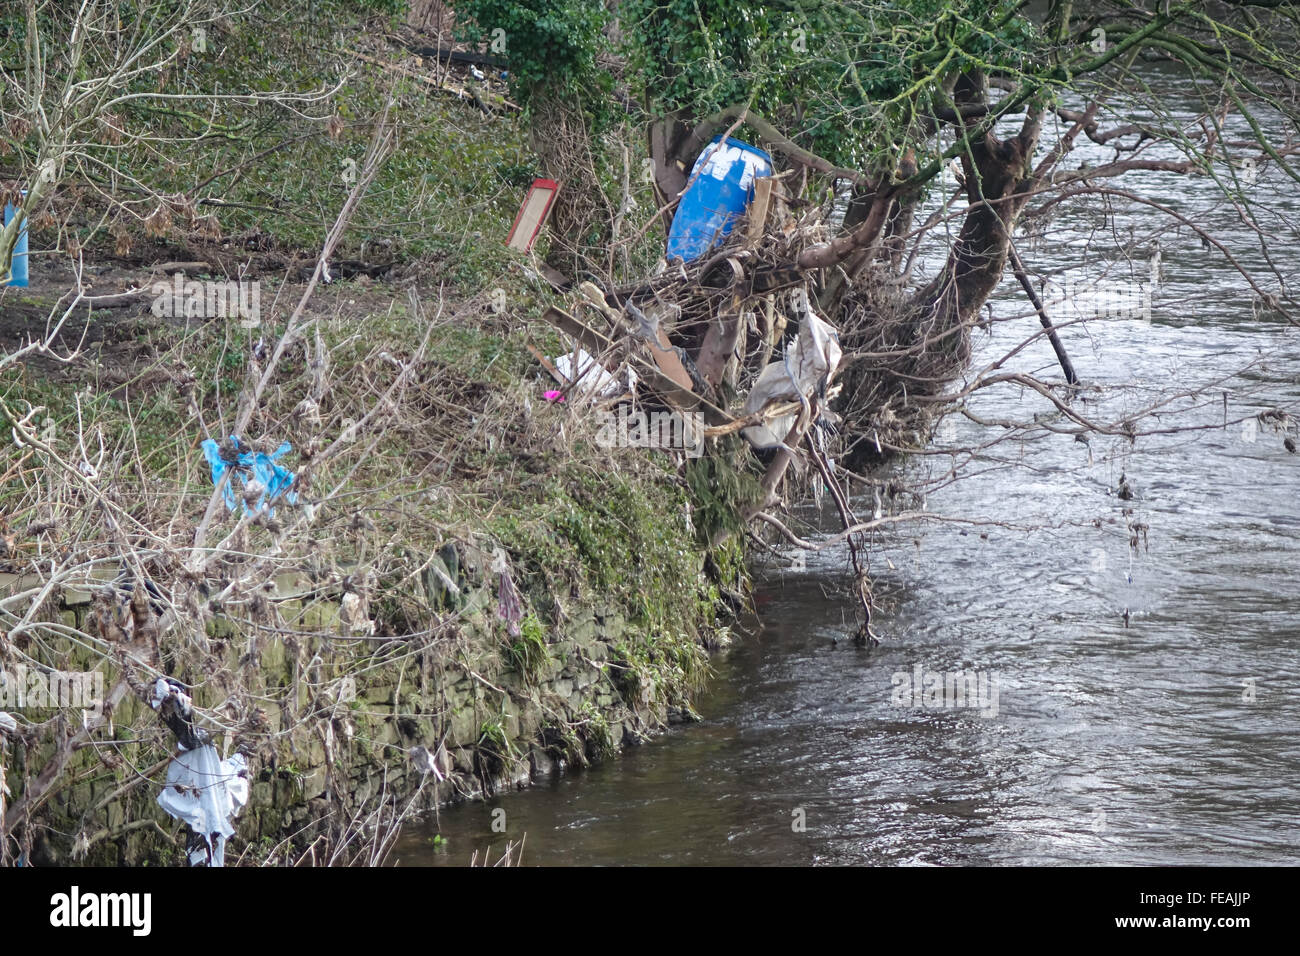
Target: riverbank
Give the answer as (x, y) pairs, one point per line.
(467, 587)
(1143, 690)
(486, 595)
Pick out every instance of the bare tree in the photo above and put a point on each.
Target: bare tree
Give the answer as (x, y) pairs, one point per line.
(79, 107)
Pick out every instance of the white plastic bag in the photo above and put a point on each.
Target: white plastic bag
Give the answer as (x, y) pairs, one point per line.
(810, 361)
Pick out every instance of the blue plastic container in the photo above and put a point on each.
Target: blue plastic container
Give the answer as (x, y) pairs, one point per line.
(18, 275)
(722, 185)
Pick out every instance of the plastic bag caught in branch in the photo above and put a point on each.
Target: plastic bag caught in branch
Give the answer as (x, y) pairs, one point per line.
(810, 363)
(205, 793)
(509, 608)
(262, 480)
(202, 790)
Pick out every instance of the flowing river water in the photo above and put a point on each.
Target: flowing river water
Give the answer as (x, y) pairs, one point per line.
(1147, 698)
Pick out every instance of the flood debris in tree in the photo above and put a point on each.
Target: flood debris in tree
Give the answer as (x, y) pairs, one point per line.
(262, 479)
(726, 329)
(202, 790)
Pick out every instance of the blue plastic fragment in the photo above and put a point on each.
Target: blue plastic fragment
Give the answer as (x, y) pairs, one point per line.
(18, 266)
(249, 466)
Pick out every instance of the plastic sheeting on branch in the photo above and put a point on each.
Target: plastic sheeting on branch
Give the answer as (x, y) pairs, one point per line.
(809, 365)
(206, 793)
(509, 608)
(202, 790)
(262, 480)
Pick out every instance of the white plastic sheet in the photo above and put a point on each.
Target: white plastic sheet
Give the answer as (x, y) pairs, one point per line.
(810, 363)
(206, 793)
(202, 790)
(591, 376)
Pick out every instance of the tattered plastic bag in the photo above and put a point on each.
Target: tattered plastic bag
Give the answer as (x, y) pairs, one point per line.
(205, 792)
(262, 480)
(427, 761)
(810, 363)
(509, 608)
(202, 790)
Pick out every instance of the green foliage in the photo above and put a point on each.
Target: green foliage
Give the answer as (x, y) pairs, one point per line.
(494, 743)
(848, 78)
(528, 652)
(394, 7)
(595, 730)
(549, 43)
(721, 490)
(665, 670)
(617, 536)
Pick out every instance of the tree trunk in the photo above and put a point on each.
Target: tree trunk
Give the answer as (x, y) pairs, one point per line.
(995, 170)
(929, 331)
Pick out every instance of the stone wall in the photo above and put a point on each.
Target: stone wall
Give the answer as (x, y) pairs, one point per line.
(336, 722)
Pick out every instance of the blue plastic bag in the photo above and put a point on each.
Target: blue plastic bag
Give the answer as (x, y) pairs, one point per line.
(18, 269)
(251, 466)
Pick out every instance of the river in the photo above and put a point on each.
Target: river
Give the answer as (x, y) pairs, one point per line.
(1147, 703)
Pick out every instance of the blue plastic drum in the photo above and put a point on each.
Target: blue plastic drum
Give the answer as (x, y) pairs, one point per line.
(18, 275)
(721, 187)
